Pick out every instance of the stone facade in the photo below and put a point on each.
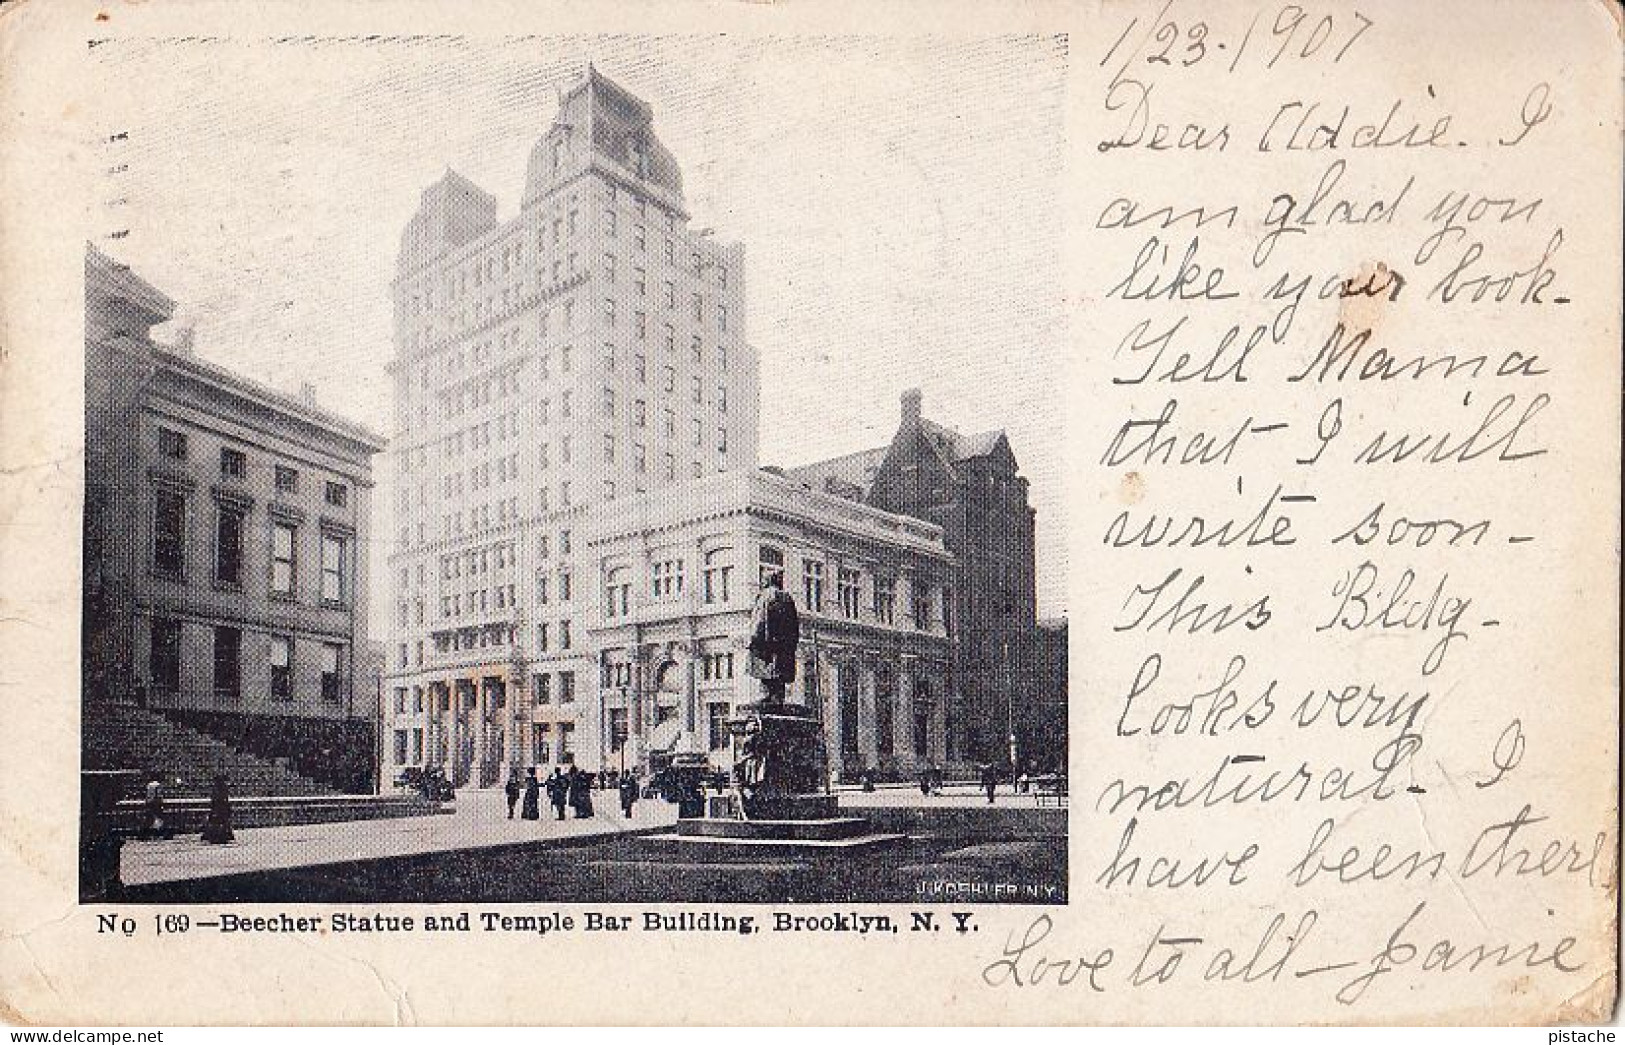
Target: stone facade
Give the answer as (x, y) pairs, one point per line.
(586, 350)
(223, 531)
(677, 575)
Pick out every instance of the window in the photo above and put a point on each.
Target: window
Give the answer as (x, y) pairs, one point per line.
(282, 672)
(609, 267)
(885, 703)
(617, 592)
(400, 747)
(609, 311)
(541, 637)
(716, 714)
(228, 656)
(718, 570)
(541, 747)
(332, 658)
(670, 383)
(847, 586)
(722, 440)
(228, 546)
(922, 607)
(667, 578)
(233, 463)
(812, 584)
(640, 414)
(771, 564)
(618, 729)
(640, 457)
(169, 534)
(699, 389)
(542, 690)
(567, 695)
(716, 667)
(172, 444)
(417, 746)
(337, 495)
(609, 402)
(885, 600)
(333, 586)
(165, 661)
(697, 349)
(609, 448)
(287, 479)
(564, 634)
(722, 399)
(669, 466)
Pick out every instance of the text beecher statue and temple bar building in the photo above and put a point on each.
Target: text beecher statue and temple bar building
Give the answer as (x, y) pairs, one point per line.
(581, 525)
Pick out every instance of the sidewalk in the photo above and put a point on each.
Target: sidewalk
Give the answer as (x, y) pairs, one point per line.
(952, 796)
(480, 821)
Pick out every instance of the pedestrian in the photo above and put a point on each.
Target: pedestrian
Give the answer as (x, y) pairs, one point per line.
(153, 820)
(629, 793)
(990, 780)
(513, 789)
(217, 829)
(580, 789)
(532, 810)
(557, 792)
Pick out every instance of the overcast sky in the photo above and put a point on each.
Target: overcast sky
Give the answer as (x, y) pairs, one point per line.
(898, 202)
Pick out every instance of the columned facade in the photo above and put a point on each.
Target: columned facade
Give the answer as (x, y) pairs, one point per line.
(678, 576)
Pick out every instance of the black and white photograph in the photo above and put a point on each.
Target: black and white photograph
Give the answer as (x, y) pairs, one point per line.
(572, 469)
(707, 514)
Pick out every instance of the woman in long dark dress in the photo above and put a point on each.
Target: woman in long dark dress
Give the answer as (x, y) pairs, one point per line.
(532, 809)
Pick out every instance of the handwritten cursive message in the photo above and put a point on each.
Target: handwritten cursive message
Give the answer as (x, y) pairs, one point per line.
(1348, 741)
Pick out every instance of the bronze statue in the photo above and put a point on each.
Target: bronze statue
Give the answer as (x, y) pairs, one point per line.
(775, 631)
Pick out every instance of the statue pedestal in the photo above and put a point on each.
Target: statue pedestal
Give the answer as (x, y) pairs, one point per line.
(779, 799)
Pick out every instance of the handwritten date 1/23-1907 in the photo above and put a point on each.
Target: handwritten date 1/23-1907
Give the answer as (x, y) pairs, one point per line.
(1289, 34)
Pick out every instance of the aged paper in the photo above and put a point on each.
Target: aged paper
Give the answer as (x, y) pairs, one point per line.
(976, 513)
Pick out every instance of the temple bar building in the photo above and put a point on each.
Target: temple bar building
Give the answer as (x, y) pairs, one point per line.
(674, 579)
(586, 350)
(225, 585)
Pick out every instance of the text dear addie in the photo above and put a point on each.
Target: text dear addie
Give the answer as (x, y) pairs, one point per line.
(1348, 743)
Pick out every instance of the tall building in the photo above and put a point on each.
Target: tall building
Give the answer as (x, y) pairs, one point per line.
(588, 349)
(224, 585)
(677, 576)
(972, 488)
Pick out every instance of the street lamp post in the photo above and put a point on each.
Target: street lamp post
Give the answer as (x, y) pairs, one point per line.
(1009, 711)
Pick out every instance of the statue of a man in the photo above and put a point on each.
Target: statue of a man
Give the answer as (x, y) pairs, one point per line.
(775, 630)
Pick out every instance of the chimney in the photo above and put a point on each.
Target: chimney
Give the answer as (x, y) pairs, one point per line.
(911, 405)
(307, 394)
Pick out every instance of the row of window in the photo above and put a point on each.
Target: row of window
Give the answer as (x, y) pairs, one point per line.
(666, 583)
(165, 663)
(234, 465)
(169, 549)
(409, 748)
